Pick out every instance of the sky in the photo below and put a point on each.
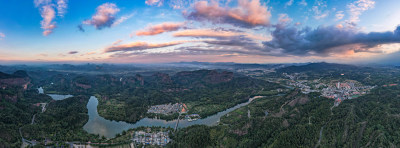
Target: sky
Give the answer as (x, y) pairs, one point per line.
(160, 31)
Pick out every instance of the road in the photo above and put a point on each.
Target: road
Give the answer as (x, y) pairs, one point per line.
(25, 142)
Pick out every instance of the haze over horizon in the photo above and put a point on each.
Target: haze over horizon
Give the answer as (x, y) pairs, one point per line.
(163, 31)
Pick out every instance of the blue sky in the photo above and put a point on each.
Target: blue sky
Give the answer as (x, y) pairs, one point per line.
(253, 31)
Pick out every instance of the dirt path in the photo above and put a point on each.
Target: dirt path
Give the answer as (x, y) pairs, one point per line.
(320, 136)
(33, 119)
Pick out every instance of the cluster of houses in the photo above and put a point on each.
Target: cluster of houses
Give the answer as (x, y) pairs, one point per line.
(339, 90)
(151, 138)
(168, 109)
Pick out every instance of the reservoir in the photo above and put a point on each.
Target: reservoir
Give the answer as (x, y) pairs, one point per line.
(54, 96)
(108, 128)
(59, 97)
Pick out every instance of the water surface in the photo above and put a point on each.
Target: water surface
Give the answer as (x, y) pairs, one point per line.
(59, 97)
(54, 96)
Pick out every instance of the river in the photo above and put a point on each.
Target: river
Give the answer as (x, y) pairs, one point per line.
(108, 128)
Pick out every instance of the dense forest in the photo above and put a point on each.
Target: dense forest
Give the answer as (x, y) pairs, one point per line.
(286, 118)
(297, 120)
(308, 120)
(62, 121)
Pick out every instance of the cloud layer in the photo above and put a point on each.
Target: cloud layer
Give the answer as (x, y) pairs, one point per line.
(160, 28)
(137, 46)
(324, 41)
(248, 13)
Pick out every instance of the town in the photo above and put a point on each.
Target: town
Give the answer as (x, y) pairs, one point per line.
(339, 91)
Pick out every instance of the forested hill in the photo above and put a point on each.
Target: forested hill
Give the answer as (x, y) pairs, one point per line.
(90, 84)
(127, 97)
(317, 67)
(16, 74)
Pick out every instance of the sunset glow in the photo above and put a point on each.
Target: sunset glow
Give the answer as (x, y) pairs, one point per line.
(157, 31)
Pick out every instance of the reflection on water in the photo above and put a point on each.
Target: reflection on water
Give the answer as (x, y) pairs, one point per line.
(54, 96)
(59, 97)
(108, 128)
(101, 126)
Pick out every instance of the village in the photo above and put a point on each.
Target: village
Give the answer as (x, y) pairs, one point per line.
(168, 109)
(151, 138)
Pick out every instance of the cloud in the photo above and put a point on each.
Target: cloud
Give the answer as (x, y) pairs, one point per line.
(324, 41)
(48, 14)
(303, 2)
(104, 16)
(217, 33)
(284, 19)
(160, 28)
(117, 42)
(41, 2)
(213, 49)
(61, 7)
(62, 55)
(73, 52)
(89, 53)
(356, 8)
(2, 36)
(80, 28)
(239, 42)
(43, 55)
(248, 13)
(181, 4)
(222, 38)
(158, 3)
(289, 3)
(204, 33)
(318, 9)
(137, 46)
(339, 15)
(122, 19)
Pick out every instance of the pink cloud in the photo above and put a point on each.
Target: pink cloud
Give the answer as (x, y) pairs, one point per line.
(356, 8)
(160, 28)
(209, 33)
(154, 2)
(248, 13)
(48, 14)
(61, 7)
(204, 33)
(104, 16)
(136, 46)
(2, 36)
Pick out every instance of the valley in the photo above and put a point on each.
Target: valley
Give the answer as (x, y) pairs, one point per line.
(107, 110)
